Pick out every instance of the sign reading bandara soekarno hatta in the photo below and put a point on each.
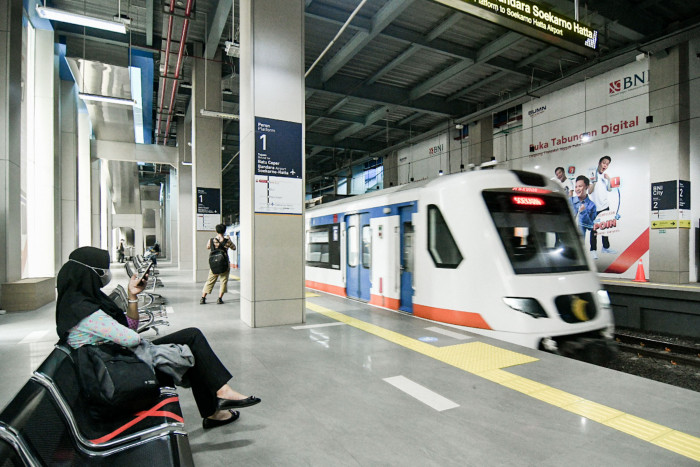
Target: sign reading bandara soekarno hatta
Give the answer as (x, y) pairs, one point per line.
(278, 167)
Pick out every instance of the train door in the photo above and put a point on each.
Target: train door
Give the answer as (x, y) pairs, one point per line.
(359, 256)
(406, 260)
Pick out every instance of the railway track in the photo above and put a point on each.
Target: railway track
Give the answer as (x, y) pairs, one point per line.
(675, 353)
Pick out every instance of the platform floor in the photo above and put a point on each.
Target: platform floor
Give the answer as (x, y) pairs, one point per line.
(357, 385)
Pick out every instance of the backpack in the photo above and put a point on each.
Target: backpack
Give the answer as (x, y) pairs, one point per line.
(218, 259)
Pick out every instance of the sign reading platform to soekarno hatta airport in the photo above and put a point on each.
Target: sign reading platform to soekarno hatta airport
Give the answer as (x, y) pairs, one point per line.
(531, 19)
(278, 167)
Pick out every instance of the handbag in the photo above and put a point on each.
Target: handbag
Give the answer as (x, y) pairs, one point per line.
(114, 380)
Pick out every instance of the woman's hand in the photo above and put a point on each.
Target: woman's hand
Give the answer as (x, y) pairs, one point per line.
(135, 287)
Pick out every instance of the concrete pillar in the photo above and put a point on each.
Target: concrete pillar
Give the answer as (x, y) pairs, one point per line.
(391, 169)
(10, 140)
(272, 93)
(95, 201)
(670, 136)
(68, 179)
(185, 212)
(481, 141)
(40, 249)
(85, 189)
(206, 150)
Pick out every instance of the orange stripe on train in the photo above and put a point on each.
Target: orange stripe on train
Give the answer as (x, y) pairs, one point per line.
(386, 302)
(334, 289)
(462, 318)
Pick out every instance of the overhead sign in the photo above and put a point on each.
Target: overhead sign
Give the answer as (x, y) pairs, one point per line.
(208, 208)
(278, 167)
(531, 19)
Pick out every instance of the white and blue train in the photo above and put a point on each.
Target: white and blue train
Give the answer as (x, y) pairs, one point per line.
(496, 252)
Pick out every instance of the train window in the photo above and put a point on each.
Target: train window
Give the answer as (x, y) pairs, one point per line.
(366, 247)
(353, 244)
(322, 248)
(538, 237)
(441, 244)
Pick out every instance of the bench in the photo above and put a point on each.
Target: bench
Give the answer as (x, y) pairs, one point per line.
(48, 423)
(28, 294)
(151, 314)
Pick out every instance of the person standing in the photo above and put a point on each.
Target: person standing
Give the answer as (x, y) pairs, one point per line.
(221, 243)
(120, 250)
(566, 186)
(584, 208)
(599, 190)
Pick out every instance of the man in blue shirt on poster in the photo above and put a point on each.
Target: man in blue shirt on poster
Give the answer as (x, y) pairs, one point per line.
(584, 208)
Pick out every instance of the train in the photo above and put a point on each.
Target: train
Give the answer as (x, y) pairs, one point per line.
(494, 252)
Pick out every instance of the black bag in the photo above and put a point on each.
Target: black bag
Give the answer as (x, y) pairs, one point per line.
(218, 259)
(114, 380)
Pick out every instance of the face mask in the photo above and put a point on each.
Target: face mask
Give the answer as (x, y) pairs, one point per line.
(105, 275)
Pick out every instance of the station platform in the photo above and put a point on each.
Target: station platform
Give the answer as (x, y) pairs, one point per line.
(358, 385)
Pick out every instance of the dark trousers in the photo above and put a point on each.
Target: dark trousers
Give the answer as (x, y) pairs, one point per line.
(208, 373)
(594, 235)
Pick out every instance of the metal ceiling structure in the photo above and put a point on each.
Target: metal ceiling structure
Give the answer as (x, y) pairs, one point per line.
(401, 71)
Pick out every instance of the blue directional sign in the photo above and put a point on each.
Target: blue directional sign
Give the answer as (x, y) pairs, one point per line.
(278, 151)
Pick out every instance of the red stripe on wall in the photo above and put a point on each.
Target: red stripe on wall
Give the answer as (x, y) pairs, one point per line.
(386, 302)
(462, 318)
(630, 256)
(334, 289)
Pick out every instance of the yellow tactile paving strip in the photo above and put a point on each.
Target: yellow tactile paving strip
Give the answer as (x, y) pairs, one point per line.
(486, 361)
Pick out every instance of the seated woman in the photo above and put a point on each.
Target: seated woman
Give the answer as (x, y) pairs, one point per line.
(85, 315)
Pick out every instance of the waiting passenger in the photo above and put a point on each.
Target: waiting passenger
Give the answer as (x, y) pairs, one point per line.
(85, 315)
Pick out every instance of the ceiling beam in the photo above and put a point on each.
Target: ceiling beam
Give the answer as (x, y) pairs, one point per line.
(388, 13)
(489, 51)
(383, 94)
(216, 22)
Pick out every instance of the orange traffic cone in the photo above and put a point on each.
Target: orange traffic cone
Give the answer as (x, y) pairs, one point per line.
(640, 277)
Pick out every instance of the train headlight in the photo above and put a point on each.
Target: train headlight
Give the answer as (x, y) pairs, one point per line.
(529, 306)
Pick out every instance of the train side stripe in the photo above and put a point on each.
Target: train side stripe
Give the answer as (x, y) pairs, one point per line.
(462, 318)
(334, 289)
(486, 361)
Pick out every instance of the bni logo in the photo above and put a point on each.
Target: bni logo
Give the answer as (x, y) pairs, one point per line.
(628, 82)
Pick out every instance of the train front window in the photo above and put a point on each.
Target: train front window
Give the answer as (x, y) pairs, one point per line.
(537, 232)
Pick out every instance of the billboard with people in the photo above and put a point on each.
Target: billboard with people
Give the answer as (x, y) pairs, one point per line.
(595, 134)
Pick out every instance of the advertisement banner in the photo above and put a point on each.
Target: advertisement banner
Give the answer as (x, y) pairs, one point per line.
(595, 131)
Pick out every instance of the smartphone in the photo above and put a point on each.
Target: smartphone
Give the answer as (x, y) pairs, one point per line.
(148, 269)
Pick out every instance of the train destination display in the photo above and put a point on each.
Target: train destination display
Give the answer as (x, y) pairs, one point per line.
(278, 167)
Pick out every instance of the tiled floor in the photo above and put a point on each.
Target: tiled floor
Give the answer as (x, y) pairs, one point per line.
(357, 385)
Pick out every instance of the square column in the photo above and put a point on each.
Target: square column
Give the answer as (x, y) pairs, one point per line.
(669, 249)
(272, 162)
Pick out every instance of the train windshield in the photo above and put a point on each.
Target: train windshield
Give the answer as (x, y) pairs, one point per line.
(537, 231)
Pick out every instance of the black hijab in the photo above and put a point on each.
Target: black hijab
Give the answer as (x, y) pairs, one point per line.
(79, 290)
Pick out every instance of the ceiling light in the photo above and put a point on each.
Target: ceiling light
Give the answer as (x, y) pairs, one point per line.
(216, 114)
(82, 20)
(110, 99)
(585, 137)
